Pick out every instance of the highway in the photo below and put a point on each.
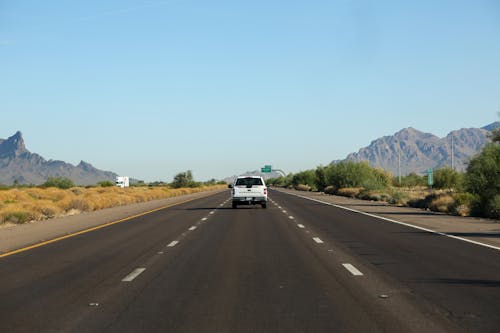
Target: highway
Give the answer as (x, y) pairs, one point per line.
(297, 266)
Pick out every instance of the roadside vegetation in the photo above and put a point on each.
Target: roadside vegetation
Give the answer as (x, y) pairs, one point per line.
(60, 197)
(473, 193)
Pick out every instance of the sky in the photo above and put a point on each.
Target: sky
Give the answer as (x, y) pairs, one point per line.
(148, 89)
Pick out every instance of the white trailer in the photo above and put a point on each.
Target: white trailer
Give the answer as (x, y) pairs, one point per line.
(122, 181)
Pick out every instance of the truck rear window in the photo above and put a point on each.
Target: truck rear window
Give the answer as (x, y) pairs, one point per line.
(248, 182)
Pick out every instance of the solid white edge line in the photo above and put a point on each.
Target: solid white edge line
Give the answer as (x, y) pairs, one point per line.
(318, 240)
(135, 273)
(399, 222)
(352, 269)
(173, 243)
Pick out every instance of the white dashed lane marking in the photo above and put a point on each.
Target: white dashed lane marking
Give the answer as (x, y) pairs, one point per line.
(204, 219)
(301, 226)
(135, 273)
(352, 269)
(318, 240)
(192, 228)
(173, 243)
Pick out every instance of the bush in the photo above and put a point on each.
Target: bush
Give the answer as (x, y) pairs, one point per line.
(399, 198)
(59, 182)
(19, 217)
(411, 180)
(302, 187)
(330, 190)
(464, 203)
(105, 183)
(448, 178)
(307, 177)
(184, 179)
(442, 203)
(350, 192)
(482, 179)
(350, 175)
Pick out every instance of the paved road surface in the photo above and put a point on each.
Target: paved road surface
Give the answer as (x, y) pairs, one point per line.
(298, 266)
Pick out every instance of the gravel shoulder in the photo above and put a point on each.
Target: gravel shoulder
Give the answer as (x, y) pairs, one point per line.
(13, 237)
(481, 230)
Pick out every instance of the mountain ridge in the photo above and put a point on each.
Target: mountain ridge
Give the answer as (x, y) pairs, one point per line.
(18, 164)
(418, 151)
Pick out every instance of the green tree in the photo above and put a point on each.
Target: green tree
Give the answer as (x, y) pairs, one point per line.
(105, 183)
(59, 182)
(184, 179)
(483, 180)
(356, 174)
(447, 178)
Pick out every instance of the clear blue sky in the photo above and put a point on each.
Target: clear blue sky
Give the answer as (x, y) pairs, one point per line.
(151, 88)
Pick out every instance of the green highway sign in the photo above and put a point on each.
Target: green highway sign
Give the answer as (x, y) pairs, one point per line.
(266, 168)
(430, 178)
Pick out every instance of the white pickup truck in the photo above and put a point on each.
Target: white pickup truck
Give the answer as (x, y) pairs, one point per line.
(249, 190)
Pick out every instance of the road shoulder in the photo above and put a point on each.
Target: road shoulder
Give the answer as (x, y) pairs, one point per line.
(484, 231)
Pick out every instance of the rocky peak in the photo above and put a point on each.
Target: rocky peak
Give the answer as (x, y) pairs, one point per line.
(13, 146)
(86, 166)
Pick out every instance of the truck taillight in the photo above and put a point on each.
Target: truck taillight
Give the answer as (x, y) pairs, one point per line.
(265, 191)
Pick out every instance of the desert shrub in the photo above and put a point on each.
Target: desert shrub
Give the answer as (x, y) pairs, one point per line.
(59, 182)
(303, 187)
(410, 180)
(447, 178)
(483, 180)
(350, 192)
(351, 175)
(79, 204)
(184, 179)
(18, 217)
(443, 203)
(320, 178)
(464, 203)
(105, 183)
(493, 207)
(307, 177)
(399, 198)
(330, 190)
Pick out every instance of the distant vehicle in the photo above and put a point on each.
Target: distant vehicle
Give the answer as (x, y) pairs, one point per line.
(122, 181)
(249, 190)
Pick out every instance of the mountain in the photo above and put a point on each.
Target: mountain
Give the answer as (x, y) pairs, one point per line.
(420, 151)
(18, 164)
(265, 175)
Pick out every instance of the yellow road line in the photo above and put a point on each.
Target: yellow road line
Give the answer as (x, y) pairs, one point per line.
(57, 239)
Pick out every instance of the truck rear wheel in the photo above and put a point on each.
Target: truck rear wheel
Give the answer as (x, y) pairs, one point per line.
(235, 205)
(264, 205)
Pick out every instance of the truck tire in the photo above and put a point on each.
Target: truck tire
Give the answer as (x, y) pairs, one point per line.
(234, 205)
(264, 205)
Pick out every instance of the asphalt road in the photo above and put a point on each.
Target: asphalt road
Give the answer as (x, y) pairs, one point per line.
(297, 266)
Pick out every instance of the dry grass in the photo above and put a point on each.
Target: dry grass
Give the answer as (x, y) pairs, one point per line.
(302, 187)
(34, 204)
(350, 191)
